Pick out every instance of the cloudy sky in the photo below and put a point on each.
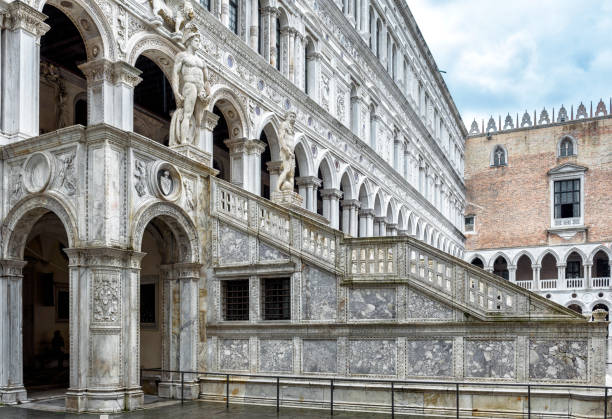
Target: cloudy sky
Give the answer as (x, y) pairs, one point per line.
(519, 55)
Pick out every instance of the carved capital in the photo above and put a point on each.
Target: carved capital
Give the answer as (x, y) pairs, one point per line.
(236, 145)
(22, 16)
(11, 268)
(99, 70)
(366, 212)
(126, 74)
(256, 147)
(308, 181)
(350, 203)
(210, 121)
(331, 193)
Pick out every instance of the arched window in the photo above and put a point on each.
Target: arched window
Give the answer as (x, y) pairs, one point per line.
(566, 148)
(499, 157)
(233, 16)
(603, 307)
(575, 307)
(80, 112)
(478, 262)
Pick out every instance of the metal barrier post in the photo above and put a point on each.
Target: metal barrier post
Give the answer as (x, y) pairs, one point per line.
(227, 390)
(606, 403)
(457, 398)
(528, 401)
(182, 386)
(277, 394)
(392, 400)
(331, 398)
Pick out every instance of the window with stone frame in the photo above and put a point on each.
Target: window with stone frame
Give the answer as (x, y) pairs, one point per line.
(276, 298)
(567, 198)
(566, 148)
(573, 270)
(499, 157)
(469, 223)
(235, 295)
(233, 16)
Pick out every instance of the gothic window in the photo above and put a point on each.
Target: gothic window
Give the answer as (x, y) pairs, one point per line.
(206, 4)
(235, 299)
(499, 157)
(233, 16)
(566, 148)
(276, 299)
(469, 223)
(567, 198)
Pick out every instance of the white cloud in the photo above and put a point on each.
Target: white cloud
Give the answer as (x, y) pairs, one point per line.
(502, 57)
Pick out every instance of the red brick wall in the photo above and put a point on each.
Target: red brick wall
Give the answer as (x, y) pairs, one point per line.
(512, 203)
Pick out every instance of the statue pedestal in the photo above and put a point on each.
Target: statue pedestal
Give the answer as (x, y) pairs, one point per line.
(193, 153)
(287, 198)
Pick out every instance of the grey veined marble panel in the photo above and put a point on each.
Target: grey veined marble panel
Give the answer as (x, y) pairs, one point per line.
(269, 253)
(420, 306)
(373, 356)
(319, 294)
(275, 355)
(558, 360)
(429, 358)
(233, 245)
(372, 303)
(489, 359)
(320, 355)
(234, 354)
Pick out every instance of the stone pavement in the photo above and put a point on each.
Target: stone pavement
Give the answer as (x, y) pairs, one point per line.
(195, 409)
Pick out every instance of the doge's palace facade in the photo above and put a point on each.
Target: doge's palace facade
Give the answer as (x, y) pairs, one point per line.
(245, 186)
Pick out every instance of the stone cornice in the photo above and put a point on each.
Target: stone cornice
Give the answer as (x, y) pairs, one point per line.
(22, 16)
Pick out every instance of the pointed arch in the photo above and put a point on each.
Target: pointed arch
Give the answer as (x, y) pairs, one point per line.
(540, 257)
(514, 261)
(493, 258)
(577, 251)
(303, 156)
(596, 250)
(366, 195)
(326, 166)
(392, 212)
(347, 183)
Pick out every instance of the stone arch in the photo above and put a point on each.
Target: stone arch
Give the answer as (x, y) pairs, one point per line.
(599, 248)
(328, 172)
(578, 303)
(477, 256)
(92, 24)
(578, 251)
(177, 221)
(538, 261)
(426, 233)
(392, 205)
(418, 232)
(402, 219)
(347, 183)
(155, 47)
(303, 156)
(493, 258)
(573, 141)
(234, 113)
(504, 159)
(365, 195)
(378, 204)
(24, 215)
(514, 261)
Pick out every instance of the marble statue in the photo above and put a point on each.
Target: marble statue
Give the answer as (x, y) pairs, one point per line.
(191, 89)
(287, 156)
(176, 13)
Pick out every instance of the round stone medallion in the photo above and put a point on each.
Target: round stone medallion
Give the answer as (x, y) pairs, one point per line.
(37, 172)
(166, 181)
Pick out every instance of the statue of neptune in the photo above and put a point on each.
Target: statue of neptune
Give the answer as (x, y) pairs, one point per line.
(287, 156)
(191, 89)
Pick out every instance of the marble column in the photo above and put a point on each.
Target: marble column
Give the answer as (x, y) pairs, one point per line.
(380, 226)
(11, 339)
(100, 91)
(588, 268)
(254, 148)
(272, 44)
(254, 26)
(209, 122)
(291, 54)
(307, 188)
(239, 170)
(331, 199)
(391, 229)
(225, 12)
(313, 60)
(536, 276)
(268, 15)
(346, 217)
(366, 222)
(125, 78)
(512, 273)
(561, 282)
(20, 72)
(274, 169)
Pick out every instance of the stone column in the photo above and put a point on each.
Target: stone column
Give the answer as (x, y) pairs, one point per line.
(314, 77)
(346, 216)
(512, 273)
(561, 281)
(380, 226)
(209, 122)
(274, 169)
(536, 276)
(20, 71)
(373, 39)
(354, 225)
(366, 222)
(225, 12)
(330, 205)
(267, 15)
(254, 26)
(291, 54)
(254, 148)
(272, 45)
(307, 189)
(383, 46)
(125, 80)
(587, 274)
(392, 229)
(239, 170)
(100, 89)
(11, 338)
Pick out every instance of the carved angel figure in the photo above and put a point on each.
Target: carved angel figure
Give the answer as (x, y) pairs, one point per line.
(191, 89)
(287, 156)
(175, 13)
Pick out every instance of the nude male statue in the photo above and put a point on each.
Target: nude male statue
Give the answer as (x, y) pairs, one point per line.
(287, 156)
(191, 90)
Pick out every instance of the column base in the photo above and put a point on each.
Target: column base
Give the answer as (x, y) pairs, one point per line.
(101, 401)
(172, 390)
(13, 395)
(287, 198)
(193, 153)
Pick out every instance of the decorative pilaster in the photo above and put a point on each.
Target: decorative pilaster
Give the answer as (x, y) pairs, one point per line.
(11, 339)
(99, 75)
(125, 78)
(24, 26)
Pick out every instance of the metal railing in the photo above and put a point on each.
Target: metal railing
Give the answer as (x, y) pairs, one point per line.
(391, 383)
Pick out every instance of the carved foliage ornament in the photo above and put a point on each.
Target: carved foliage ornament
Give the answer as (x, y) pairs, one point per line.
(106, 297)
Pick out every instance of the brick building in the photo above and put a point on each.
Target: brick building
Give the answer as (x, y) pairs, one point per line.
(539, 199)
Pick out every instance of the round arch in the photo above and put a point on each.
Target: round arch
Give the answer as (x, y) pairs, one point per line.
(24, 215)
(347, 183)
(156, 48)
(329, 174)
(303, 155)
(177, 221)
(235, 115)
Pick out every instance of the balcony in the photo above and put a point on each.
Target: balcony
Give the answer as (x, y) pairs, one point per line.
(567, 284)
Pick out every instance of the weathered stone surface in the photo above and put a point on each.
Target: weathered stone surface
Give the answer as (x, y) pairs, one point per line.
(490, 359)
(558, 360)
(319, 294)
(269, 253)
(320, 356)
(420, 306)
(233, 245)
(234, 354)
(429, 358)
(373, 356)
(275, 355)
(372, 303)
